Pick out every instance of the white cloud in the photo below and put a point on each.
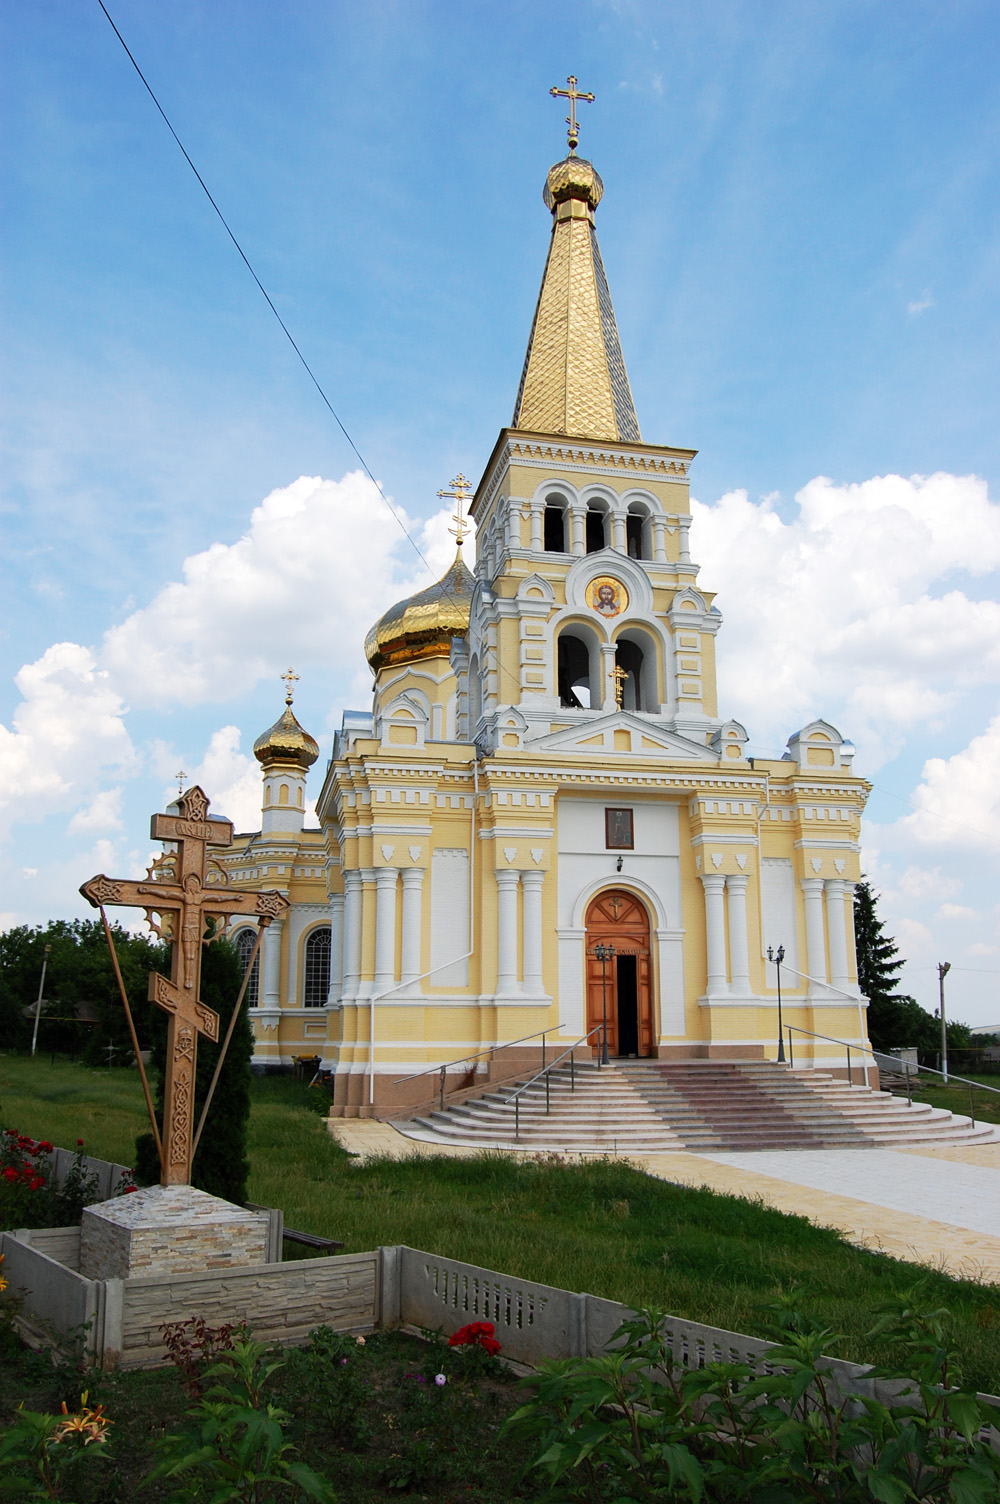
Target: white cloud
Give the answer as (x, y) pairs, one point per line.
(102, 813)
(958, 798)
(231, 778)
(955, 911)
(67, 731)
(920, 305)
(841, 611)
(319, 562)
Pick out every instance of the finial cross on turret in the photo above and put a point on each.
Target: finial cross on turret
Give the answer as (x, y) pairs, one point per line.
(289, 679)
(459, 493)
(572, 94)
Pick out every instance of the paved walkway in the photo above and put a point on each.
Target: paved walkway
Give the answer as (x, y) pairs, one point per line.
(929, 1205)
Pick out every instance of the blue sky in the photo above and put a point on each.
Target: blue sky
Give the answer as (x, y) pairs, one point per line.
(800, 232)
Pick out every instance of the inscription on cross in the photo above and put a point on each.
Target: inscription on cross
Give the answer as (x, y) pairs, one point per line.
(184, 891)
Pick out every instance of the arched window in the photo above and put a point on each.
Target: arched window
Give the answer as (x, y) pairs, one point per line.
(475, 696)
(578, 656)
(245, 941)
(554, 527)
(637, 533)
(597, 529)
(316, 983)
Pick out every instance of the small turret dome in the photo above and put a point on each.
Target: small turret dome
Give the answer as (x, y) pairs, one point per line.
(423, 625)
(286, 742)
(573, 177)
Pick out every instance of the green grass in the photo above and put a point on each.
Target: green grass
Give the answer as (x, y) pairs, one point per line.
(601, 1226)
(955, 1097)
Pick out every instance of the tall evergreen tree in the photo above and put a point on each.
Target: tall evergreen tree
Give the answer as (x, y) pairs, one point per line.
(221, 1165)
(894, 1019)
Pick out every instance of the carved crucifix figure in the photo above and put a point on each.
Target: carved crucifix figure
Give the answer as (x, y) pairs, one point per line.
(184, 891)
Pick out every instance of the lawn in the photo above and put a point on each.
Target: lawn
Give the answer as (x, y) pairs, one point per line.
(601, 1226)
(956, 1096)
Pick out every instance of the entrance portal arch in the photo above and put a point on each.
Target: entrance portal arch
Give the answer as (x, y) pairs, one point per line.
(617, 917)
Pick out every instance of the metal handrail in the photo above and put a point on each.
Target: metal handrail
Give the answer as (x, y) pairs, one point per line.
(503, 1045)
(546, 1071)
(973, 1086)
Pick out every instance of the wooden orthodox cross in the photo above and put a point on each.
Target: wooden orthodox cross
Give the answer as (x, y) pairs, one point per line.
(188, 890)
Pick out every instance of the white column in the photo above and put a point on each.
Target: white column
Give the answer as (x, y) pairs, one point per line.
(852, 939)
(532, 883)
(413, 882)
(618, 532)
(812, 887)
(537, 541)
(685, 527)
(578, 521)
(271, 968)
(739, 953)
(659, 539)
(507, 932)
(836, 925)
(607, 685)
(715, 932)
(352, 933)
(336, 948)
(385, 929)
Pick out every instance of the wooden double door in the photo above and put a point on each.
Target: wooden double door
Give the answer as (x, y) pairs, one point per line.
(617, 918)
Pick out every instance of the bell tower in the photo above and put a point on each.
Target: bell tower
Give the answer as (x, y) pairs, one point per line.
(587, 605)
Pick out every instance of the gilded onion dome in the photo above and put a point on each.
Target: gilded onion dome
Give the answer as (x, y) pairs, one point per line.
(286, 741)
(423, 625)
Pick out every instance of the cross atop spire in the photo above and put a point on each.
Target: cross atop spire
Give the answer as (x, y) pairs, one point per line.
(290, 679)
(180, 775)
(459, 493)
(572, 94)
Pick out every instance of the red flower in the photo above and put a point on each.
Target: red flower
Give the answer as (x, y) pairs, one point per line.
(79, 1143)
(476, 1334)
(45, 1146)
(10, 1175)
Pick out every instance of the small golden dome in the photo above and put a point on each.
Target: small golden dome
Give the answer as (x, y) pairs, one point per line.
(573, 177)
(423, 625)
(286, 741)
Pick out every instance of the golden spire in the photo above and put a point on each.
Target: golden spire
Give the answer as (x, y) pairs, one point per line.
(574, 380)
(290, 678)
(572, 94)
(459, 494)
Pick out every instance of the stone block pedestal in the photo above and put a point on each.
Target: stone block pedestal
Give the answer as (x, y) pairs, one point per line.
(170, 1229)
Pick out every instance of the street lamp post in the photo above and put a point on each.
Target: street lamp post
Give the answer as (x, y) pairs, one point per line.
(777, 956)
(604, 954)
(943, 969)
(38, 1001)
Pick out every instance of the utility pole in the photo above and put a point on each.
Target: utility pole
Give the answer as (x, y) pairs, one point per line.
(38, 1001)
(943, 969)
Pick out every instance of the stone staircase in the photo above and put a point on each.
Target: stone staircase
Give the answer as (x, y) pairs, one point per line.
(647, 1107)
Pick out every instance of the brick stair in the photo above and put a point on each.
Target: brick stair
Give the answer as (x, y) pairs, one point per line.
(648, 1107)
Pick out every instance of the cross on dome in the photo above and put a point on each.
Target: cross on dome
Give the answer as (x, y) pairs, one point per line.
(290, 678)
(572, 94)
(459, 493)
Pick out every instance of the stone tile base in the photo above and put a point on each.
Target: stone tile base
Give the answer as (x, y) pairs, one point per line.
(171, 1229)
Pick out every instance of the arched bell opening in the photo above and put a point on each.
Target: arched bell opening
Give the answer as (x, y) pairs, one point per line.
(619, 988)
(578, 667)
(635, 656)
(554, 526)
(596, 530)
(638, 543)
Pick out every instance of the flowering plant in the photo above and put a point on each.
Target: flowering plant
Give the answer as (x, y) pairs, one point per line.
(476, 1334)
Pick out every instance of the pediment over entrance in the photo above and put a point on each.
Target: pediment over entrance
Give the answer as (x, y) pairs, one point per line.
(620, 733)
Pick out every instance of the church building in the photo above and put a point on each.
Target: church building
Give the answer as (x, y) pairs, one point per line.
(545, 772)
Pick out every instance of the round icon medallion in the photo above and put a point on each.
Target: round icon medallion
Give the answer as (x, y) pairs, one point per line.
(607, 596)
